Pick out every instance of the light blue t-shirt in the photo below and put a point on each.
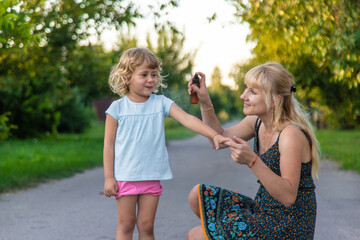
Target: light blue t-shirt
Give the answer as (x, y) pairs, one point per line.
(140, 151)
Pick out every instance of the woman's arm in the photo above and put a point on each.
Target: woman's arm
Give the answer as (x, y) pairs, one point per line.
(207, 110)
(244, 129)
(293, 147)
(110, 186)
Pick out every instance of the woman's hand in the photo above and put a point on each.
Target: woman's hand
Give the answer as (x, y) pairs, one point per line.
(220, 141)
(241, 152)
(201, 91)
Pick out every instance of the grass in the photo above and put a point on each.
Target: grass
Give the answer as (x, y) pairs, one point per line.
(342, 146)
(25, 163)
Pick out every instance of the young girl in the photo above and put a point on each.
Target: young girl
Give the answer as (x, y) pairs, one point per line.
(135, 155)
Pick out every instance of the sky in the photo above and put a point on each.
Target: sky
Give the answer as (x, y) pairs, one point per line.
(219, 43)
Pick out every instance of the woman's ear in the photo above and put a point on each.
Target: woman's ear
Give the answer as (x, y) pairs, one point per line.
(276, 99)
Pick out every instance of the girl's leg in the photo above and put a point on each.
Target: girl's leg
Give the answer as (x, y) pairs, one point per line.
(194, 200)
(196, 234)
(146, 216)
(126, 217)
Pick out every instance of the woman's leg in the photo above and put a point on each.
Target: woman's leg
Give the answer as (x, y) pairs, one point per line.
(126, 217)
(146, 216)
(196, 234)
(194, 200)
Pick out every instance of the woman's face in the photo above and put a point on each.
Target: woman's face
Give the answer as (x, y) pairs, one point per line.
(254, 101)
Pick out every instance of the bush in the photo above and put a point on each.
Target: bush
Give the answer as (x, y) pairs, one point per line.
(5, 127)
(75, 117)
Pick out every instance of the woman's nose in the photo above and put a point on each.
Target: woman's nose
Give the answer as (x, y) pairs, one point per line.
(243, 95)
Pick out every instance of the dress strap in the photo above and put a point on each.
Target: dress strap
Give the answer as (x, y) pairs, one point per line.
(257, 126)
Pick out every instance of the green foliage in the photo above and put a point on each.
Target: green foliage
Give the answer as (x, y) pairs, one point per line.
(15, 29)
(226, 101)
(75, 117)
(46, 55)
(318, 41)
(5, 127)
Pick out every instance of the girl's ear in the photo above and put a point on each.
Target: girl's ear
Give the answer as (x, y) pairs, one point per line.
(128, 80)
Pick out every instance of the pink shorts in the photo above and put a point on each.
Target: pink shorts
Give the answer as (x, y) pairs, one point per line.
(139, 187)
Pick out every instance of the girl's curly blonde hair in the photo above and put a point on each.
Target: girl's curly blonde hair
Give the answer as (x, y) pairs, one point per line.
(121, 74)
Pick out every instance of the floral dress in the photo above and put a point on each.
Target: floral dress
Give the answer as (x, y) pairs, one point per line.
(230, 215)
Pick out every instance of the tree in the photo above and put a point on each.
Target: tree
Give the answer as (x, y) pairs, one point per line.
(318, 41)
(177, 65)
(215, 78)
(225, 100)
(15, 34)
(37, 80)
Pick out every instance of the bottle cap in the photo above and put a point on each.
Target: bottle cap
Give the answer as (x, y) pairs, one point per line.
(196, 79)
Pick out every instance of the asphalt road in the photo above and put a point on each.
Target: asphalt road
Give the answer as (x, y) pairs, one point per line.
(74, 208)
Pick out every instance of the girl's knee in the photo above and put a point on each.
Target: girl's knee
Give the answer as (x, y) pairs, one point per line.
(126, 225)
(146, 226)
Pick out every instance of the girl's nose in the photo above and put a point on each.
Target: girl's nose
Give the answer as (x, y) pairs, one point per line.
(150, 79)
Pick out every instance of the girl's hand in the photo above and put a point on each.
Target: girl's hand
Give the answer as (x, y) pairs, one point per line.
(241, 152)
(220, 139)
(202, 92)
(110, 187)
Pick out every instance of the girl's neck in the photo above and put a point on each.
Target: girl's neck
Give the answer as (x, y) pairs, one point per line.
(138, 99)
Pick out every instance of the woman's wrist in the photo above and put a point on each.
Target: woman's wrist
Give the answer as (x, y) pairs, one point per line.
(205, 109)
(251, 164)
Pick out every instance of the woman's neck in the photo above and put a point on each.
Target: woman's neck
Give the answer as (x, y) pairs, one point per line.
(268, 122)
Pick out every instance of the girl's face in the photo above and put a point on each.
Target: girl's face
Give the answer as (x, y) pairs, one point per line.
(143, 82)
(254, 101)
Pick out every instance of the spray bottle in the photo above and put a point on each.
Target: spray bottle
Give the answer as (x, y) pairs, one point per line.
(193, 96)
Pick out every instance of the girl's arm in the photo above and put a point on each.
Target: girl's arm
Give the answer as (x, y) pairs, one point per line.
(110, 186)
(193, 123)
(294, 147)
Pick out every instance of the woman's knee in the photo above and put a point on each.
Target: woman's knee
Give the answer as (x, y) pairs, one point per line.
(193, 195)
(196, 234)
(194, 199)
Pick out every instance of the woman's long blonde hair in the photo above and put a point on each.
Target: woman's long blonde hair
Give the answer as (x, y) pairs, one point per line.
(121, 74)
(276, 81)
